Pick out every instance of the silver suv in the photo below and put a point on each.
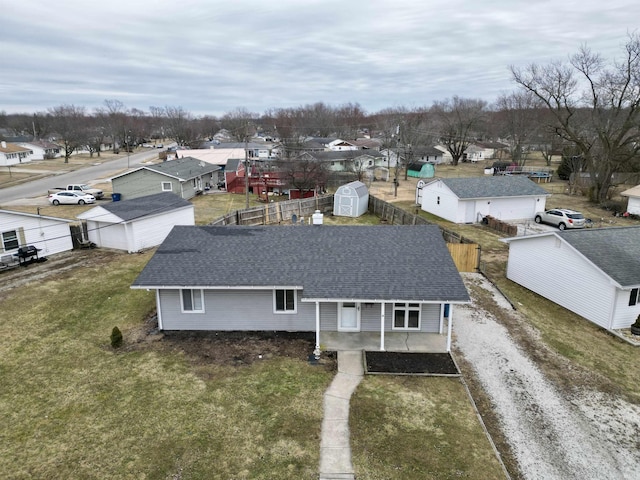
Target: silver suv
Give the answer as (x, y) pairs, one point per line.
(561, 218)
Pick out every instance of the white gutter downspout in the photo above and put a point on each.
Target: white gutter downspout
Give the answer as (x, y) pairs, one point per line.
(449, 325)
(316, 352)
(159, 309)
(382, 309)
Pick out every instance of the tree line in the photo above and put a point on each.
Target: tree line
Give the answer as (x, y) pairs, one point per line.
(586, 107)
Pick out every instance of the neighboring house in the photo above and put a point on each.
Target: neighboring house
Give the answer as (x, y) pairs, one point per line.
(420, 154)
(478, 151)
(633, 200)
(306, 279)
(49, 234)
(594, 272)
(446, 155)
(41, 149)
(351, 200)
(186, 177)
(348, 160)
(469, 200)
(234, 178)
(138, 224)
(339, 145)
(13, 154)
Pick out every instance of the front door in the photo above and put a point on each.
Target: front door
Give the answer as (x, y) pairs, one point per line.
(349, 317)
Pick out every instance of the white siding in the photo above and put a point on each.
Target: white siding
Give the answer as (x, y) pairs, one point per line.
(633, 205)
(624, 314)
(549, 267)
(49, 235)
(151, 231)
(140, 234)
(439, 200)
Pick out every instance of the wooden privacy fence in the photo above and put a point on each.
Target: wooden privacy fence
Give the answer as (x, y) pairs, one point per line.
(465, 253)
(278, 212)
(466, 256)
(500, 226)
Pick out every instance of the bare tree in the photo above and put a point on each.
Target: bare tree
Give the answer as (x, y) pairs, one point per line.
(303, 173)
(458, 122)
(595, 107)
(240, 124)
(180, 125)
(68, 123)
(518, 115)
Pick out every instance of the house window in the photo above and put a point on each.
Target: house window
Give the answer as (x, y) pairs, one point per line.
(10, 240)
(192, 301)
(634, 298)
(167, 187)
(284, 301)
(406, 316)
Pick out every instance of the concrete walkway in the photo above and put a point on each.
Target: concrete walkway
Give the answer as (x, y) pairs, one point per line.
(335, 451)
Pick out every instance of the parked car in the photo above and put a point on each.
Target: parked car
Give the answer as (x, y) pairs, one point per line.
(68, 197)
(561, 218)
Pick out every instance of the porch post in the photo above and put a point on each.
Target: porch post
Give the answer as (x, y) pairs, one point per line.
(317, 349)
(449, 323)
(441, 318)
(382, 309)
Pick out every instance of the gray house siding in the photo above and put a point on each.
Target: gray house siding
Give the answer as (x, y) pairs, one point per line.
(253, 310)
(141, 183)
(230, 310)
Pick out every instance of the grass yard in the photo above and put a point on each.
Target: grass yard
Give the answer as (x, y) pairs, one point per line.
(418, 428)
(75, 408)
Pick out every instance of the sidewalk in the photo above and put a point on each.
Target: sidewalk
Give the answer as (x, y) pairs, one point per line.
(335, 450)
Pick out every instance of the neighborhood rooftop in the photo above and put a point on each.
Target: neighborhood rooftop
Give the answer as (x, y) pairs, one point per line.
(148, 205)
(369, 263)
(616, 251)
(493, 186)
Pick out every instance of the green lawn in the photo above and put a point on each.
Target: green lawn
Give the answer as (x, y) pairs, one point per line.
(74, 408)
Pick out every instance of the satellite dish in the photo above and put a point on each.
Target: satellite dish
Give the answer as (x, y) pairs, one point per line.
(294, 219)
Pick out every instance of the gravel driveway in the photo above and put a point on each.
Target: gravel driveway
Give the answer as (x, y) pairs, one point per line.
(553, 434)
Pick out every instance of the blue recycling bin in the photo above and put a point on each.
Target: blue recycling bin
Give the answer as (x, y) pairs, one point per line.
(115, 197)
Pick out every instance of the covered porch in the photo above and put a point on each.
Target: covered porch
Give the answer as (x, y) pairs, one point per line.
(393, 341)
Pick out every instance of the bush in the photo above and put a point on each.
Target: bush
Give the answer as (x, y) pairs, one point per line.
(116, 337)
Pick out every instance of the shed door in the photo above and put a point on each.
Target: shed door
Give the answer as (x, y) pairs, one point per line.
(349, 317)
(347, 206)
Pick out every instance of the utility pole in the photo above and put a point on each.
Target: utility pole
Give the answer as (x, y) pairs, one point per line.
(246, 164)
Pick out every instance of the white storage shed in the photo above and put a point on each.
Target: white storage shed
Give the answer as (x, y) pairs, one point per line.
(351, 200)
(136, 224)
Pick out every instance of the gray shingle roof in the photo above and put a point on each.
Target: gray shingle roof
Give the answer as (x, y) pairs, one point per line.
(494, 186)
(409, 263)
(142, 206)
(183, 168)
(615, 251)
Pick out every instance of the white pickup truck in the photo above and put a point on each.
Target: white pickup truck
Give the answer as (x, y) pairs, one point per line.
(81, 187)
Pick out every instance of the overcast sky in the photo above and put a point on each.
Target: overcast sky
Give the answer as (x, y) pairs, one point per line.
(210, 57)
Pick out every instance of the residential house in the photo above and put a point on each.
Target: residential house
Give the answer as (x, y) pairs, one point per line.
(13, 154)
(633, 200)
(469, 200)
(186, 177)
(322, 279)
(478, 151)
(347, 160)
(594, 272)
(42, 149)
(137, 224)
(50, 235)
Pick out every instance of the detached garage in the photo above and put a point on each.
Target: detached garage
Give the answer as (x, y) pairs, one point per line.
(351, 200)
(137, 224)
(469, 200)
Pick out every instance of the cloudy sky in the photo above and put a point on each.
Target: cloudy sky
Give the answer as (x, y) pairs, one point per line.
(210, 57)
